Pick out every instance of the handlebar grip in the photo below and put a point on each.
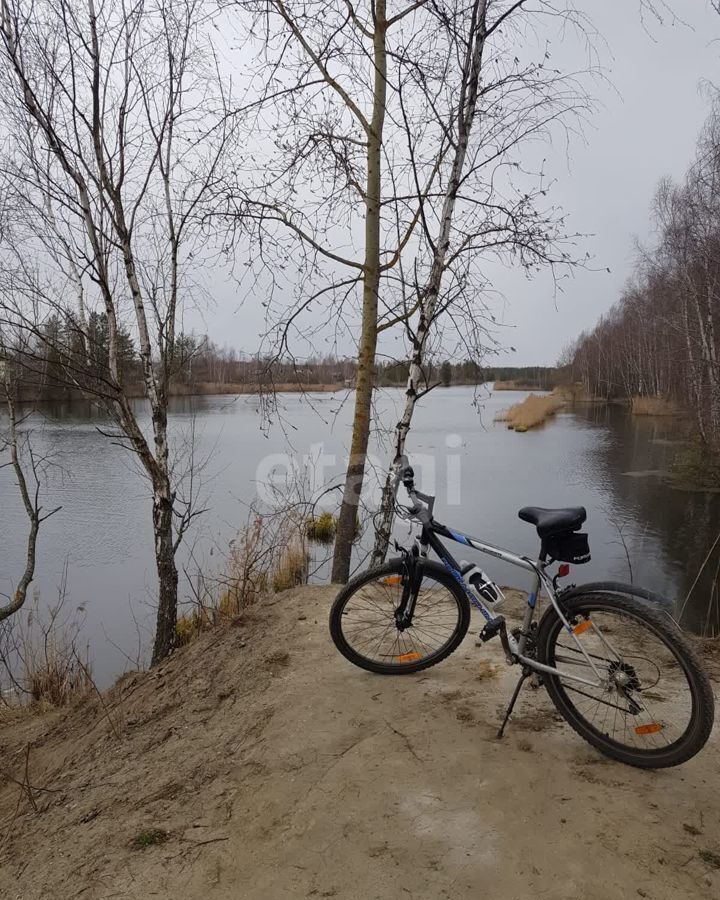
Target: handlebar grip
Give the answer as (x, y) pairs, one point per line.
(408, 474)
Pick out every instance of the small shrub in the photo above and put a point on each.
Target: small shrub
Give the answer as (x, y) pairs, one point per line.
(269, 554)
(57, 680)
(53, 666)
(188, 627)
(149, 838)
(321, 529)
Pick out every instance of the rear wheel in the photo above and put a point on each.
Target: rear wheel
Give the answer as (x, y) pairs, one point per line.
(645, 698)
(365, 630)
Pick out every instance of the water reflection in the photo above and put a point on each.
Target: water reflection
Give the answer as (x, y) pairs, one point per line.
(633, 461)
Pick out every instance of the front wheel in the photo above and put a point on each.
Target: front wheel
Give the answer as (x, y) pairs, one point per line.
(365, 627)
(639, 693)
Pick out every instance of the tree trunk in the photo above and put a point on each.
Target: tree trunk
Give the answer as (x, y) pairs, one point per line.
(467, 105)
(387, 504)
(33, 515)
(166, 571)
(365, 377)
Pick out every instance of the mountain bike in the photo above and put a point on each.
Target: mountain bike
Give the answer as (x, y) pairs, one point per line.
(615, 664)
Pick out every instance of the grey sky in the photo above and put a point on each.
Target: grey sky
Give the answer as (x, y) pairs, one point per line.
(646, 132)
(645, 128)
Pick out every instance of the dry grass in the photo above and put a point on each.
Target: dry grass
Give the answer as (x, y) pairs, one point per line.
(292, 568)
(533, 411)
(654, 406)
(267, 556)
(575, 393)
(252, 556)
(42, 657)
(187, 627)
(515, 386)
(58, 679)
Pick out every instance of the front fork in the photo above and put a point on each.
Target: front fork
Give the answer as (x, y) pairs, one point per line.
(414, 563)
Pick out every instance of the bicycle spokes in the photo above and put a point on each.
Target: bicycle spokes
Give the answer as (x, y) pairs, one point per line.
(384, 623)
(641, 697)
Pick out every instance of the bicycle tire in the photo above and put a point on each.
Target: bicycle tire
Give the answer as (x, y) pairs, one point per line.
(662, 628)
(396, 567)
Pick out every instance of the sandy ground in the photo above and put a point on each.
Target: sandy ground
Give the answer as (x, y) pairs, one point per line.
(257, 763)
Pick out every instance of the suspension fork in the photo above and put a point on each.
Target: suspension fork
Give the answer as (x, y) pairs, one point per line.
(415, 566)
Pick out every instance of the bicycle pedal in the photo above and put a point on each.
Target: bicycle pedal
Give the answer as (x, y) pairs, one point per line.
(492, 629)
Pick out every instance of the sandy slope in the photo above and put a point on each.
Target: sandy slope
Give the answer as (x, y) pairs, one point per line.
(279, 771)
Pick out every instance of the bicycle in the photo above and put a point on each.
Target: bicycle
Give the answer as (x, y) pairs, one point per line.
(601, 650)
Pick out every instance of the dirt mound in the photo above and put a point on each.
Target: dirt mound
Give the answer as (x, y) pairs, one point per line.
(257, 763)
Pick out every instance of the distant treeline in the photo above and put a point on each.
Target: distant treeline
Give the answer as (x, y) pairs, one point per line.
(662, 339)
(54, 365)
(63, 360)
(527, 377)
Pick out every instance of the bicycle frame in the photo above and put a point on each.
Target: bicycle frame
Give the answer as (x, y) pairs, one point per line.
(429, 538)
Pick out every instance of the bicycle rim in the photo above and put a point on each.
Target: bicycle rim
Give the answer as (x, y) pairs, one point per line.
(370, 630)
(645, 700)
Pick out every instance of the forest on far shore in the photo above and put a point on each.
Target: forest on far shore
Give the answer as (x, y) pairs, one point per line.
(662, 338)
(201, 366)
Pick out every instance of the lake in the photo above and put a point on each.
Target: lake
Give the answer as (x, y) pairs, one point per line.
(595, 455)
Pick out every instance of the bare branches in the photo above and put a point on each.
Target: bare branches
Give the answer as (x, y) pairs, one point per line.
(121, 125)
(319, 62)
(408, 11)
(29, 489)
(460, 227)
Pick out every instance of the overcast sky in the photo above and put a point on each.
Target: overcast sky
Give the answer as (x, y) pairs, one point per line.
(645, 128)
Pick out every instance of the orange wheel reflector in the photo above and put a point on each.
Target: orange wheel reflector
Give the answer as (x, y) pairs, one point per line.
(650, 728)
(582, 627)
(392, 579)
(408, 657)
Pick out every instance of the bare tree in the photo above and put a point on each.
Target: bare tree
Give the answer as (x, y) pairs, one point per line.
(326, 68)
(27, 468)
(377, 144)
(119, 129)
(472, 217)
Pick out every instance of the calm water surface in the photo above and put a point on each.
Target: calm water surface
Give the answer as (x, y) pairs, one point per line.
(600, 457)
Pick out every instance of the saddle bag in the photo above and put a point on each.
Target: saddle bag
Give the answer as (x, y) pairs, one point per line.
(570, 547)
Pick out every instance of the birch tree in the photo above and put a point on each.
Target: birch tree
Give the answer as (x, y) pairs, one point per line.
(326, 65)
(528, 234)
(117, 130)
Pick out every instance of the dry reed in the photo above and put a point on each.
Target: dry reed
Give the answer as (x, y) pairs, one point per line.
(654, 406)
(321, 529)
(533, 411)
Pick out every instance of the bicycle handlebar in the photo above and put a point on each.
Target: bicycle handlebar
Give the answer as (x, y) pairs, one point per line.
(404, 472)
